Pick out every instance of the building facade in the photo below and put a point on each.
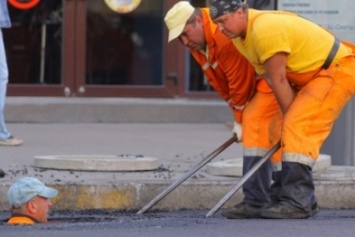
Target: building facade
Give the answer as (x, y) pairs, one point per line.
(82, 48)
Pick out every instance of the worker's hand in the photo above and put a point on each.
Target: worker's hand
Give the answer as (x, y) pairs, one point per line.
(237, 131)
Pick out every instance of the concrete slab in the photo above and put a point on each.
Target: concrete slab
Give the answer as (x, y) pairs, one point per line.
(96, 162)
(234, 167)
(336, 173)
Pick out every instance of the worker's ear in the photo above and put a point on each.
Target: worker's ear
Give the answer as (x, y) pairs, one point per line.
(238, 13)
(32, 205)
(198, 19)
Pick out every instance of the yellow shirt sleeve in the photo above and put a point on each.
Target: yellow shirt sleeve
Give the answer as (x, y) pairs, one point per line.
(306, 43)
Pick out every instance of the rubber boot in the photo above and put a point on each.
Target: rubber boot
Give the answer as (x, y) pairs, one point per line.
(275, 187)
(296, 194)
(256, 191)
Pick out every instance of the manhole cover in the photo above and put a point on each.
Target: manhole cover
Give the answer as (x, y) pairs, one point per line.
(97, 162)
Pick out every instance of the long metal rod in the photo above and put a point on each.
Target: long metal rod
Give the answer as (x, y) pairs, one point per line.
(237, 186)
(43, 53)
(186, 176)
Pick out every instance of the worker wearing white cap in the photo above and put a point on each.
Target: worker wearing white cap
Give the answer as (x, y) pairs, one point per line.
(30, 201)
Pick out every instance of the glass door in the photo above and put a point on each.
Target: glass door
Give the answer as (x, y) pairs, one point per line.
(122, 53)
(87, 48)
(34, 46)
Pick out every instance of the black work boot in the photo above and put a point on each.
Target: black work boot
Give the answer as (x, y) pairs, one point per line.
(256, 191)
(275, 187)
(275, 192)
(296, 195)
(243, 211)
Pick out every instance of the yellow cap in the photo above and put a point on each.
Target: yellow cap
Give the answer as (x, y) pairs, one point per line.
(177, 17)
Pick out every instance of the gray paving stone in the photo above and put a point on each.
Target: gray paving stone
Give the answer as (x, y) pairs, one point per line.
(336, 173)
(234, 167)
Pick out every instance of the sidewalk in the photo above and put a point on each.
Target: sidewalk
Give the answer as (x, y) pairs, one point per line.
(177, 146)
(178, 132)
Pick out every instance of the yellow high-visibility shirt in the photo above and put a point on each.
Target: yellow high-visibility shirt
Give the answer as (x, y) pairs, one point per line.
(306, 43)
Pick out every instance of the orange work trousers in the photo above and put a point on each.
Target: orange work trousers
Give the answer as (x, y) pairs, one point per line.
(309, 120)
(317, 105)
(260, 118)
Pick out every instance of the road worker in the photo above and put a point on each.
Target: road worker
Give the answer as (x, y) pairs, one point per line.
(29, 199)
(312, 76)
(234, 79)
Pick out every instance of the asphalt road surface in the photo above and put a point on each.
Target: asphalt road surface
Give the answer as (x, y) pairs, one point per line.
(98, 223)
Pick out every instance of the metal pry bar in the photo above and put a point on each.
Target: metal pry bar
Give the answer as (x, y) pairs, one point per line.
(186, 176)
(245, 178)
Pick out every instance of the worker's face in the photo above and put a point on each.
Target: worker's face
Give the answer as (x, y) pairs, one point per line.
(193, 36)
(39, 208)
(233, 24)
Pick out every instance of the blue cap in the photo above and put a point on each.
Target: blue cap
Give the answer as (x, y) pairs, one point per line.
(27, 188)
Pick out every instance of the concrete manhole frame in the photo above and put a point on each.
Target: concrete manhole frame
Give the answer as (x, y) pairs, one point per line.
(97, 162)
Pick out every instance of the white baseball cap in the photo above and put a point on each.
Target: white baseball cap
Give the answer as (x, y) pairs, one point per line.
(177, 17)
(27, 188)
